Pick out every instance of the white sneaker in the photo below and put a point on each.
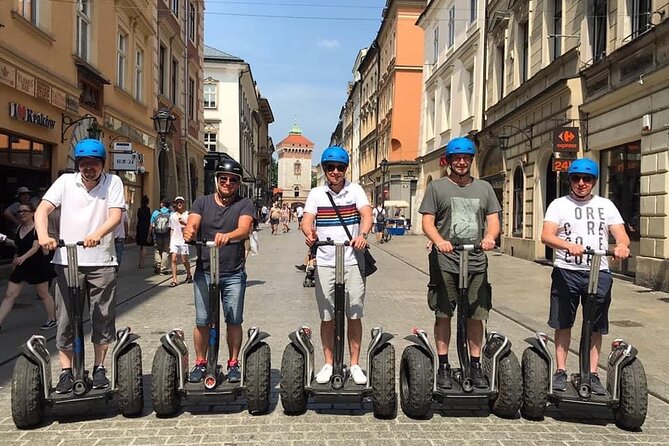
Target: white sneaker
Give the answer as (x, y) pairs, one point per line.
(325, 374)
(358, 375)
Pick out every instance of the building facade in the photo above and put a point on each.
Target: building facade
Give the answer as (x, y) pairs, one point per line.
(294, 170)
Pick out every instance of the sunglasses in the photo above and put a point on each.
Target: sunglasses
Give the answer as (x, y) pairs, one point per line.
(224, 179)
(24, 211)
(585, 178)
(332, 167)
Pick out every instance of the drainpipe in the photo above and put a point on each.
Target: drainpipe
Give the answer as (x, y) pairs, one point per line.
(186, 93)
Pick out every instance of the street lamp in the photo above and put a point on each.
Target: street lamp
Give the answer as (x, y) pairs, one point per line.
(504, 139)
(94, 130)
(163, 122)
(384, 170)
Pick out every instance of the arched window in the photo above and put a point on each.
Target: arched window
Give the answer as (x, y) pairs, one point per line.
(297, 168)
(518, 189)
(296, 191)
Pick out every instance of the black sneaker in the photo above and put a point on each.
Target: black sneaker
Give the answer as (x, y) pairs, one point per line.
(100, 380)
(234, 374)
(560, 380)
(480, 381)
(596, 386)
(301, 267)
(65, 382)
(444, 380)
(197, 373)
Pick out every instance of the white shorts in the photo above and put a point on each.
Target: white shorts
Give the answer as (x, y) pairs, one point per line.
(355, 292)
(179, 250)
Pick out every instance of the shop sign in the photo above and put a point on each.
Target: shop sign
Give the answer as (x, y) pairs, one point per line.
(72, 104)
(565, 139)
(7, 74)
(23, 113)
(42, 90)
(25, 83)
(58, 98)
(125, 161)
(561, 165)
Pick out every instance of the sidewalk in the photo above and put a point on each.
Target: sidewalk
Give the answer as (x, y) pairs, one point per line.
(520, 292)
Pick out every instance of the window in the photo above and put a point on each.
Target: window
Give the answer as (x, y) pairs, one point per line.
(174, 76)
(468, 87)
(121, 56)
(139, 74)
(296, 191)
(210, 96)
(599, 30)
(192, 21)
(430, 117)
(640, 15)
(435, 46)
(556, 46)
(472, 12)
(210, 142)
(28, 9)
(162, 61)
(451, 26)
(191, 99)
(524, 50)
(175, 7)
(297, 169)
(445, 107)
(499, 61)
(83, 27)
(518, 202)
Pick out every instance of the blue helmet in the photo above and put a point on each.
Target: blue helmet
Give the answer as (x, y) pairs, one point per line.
(461, 145)
(90, 148)
(584, 166)
(334, 154)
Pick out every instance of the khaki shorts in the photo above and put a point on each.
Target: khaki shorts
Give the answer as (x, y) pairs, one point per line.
(355, 292)
(101, 284)
(442, 295)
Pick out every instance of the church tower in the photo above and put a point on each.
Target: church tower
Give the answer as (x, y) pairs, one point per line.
(295, 166)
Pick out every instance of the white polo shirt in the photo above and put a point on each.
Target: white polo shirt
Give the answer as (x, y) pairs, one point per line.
(349, 200)
(82, 212)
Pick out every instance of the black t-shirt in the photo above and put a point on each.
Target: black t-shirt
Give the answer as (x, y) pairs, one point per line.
(217, 218)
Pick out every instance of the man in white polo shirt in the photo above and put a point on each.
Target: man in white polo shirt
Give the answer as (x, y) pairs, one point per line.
(321, 221)
(90, 203)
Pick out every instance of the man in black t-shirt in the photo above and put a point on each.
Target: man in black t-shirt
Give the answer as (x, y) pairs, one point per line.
(227, 219)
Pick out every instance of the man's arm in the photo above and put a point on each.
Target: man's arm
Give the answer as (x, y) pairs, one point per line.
(430, 230)
(192, 226)
(360, 242)
(491, 232)
(549, 237)
(308, 229)
(42, 225)
(622, 250)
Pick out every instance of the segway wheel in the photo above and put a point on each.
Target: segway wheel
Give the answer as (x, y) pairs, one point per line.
(306, 283)
(510, 387)
(631, 411)
(535, 385)
(27, 395)
(164, 392)
(129, 381)
(384, 395)
(293, 393)
(257, 374)
(416, 383)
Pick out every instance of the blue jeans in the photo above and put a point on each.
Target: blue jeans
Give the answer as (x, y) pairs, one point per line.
(119, 244)
(231, 288)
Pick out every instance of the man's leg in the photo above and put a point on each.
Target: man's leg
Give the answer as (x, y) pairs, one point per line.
(174, 266)
(201, 330)
(327, 339)
(595, 351)
(354, 339)
(325, 300)
(101, 284)
(157, 256)
(186, 263)
(562, 341)
(234, 332)
(200, 340)
(475, 337)
(442, 333)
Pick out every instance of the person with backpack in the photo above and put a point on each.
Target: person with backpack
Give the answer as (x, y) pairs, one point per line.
(379, 218)
(160, 230)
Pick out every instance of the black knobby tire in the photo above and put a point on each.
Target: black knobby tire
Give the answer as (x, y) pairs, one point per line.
(510, 387)
(293, 395)
(535, 385)
(384, 395)
(27, 395)
(164, 391)
(129, 381)
(633, 405)
(257, 376)
(416, 383)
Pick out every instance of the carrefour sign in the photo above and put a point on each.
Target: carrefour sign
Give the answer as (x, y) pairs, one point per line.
(23, 113)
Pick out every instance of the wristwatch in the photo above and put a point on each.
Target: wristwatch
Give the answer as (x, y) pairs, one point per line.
(364, 235)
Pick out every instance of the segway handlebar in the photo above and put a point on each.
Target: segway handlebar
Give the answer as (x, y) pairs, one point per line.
(207, 243)
(466, 247)
(63, 244)
(601, 252)
(329, 242)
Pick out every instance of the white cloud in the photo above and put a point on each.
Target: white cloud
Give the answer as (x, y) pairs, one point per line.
(329, 44)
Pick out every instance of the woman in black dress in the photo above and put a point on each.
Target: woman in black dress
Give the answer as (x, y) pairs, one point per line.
(143, 223)
(31, 266)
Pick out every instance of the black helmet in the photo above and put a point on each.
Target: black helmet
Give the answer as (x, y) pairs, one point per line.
(229, 166)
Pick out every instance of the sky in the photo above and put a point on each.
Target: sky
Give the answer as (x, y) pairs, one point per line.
(301, 54)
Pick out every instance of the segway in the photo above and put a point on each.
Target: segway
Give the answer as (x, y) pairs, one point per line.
(32, 389)
(626, 386)
(170, 363)
(420, 362)
(298, 382)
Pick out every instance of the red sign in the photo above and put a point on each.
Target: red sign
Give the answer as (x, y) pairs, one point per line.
(565, 139)
(561, 165)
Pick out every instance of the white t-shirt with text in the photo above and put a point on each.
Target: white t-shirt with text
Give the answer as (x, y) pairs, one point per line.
(177, 235)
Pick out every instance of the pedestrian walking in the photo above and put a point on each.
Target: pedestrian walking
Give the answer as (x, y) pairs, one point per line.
(91, 204)
(178, 247)
(142, 230)
(226, 218)
(285, 216)
(12, 211)
(274, 217)
(264, 214)
(31, 266)
(299, 211)
(379, 217)
(159, 230)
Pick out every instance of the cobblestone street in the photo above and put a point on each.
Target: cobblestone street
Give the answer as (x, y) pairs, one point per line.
(277, 302)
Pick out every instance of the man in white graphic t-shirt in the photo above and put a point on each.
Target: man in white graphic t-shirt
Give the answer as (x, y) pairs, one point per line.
(178, 247)
(572, 224)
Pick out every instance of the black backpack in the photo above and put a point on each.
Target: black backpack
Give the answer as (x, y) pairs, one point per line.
(380, 215)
